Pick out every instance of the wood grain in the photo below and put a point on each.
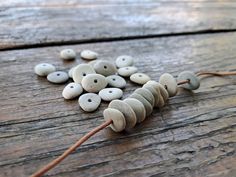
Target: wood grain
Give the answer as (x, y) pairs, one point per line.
(44, 23)
(194, 135)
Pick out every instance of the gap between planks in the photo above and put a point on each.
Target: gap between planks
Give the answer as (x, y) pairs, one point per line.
(114, 39)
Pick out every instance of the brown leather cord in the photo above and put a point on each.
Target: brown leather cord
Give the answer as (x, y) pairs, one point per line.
(52, 164)
(183, 82)
(226, 73)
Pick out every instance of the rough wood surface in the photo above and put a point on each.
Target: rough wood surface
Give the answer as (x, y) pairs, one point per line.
(43, 22)
(193, 135)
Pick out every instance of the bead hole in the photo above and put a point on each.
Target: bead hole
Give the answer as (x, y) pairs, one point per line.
(110, 91)
(71, 86)
(58, 74)
(113, 79)
(84, 74)
(105, 67)
(89, 100)
(140, 75)
(127, 68)
(95, 81)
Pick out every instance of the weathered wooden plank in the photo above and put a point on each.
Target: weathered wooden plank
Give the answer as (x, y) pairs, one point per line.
(41, 23)
(194, 135)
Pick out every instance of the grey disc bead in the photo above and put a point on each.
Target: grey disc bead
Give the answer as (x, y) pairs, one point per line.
(72, 90)
(154, 92)
(146, 104)
(124, 60)
(89, 102)
(137, 107)
(105, 68)
(126, 110)
(118, 119)
(94, 83)
(161, 88)
(146, 94)
(194, 82)
(116, 81)
(139, 78)
(80, 71)
(58, 77)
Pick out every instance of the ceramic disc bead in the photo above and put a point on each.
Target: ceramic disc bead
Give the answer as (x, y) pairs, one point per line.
(88, 55)
(43, 69)
(154, 92)
(146, 104)
(109, 94)
(80, 71)
(58, 77)
(146, 94)
(194, 82)
(123, 61)
(105, 68)
(127, 71)
(116, 81)
(161, 88)
(169, 82)
(70, 72)
(137, 107)
(118, 119)
(89, 102)
(94, 83)
(68, 54)
(72, 90)
(140, 78)
(126, 110)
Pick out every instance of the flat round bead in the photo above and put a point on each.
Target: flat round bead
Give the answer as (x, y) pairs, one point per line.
(154, 92)
(137, 107)
(109, 94)
(194, 82)
(80, 71)
(123, 61)
(140, 78)
(43, 69)
(68, 54)
(146, 104)
(169, 82)
(126, 110)
(89, 102)
(116, 81)
(72, 90)
(161, 88)
(94, 83)
(118, 119)
(105, 68)
(70, 72)
(127, 71)
(58, 77)
(88, 55)
(146, 94)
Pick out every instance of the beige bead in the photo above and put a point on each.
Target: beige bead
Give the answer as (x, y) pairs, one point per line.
(105, 68)
(127, 111)
(72, 90)
(58, 77)
(88, 55)
(154, 92)
(127, 71)
(140, 78)
(94, 83)
(70, 72)
(158, 89)
(146, 94)
(68, 54)
(123, 61)
(137, 107)
(43, 69)
(80, 71)
(118, 119)
(146, 104)
(163, 91)
(109, 94)
(169, 82)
